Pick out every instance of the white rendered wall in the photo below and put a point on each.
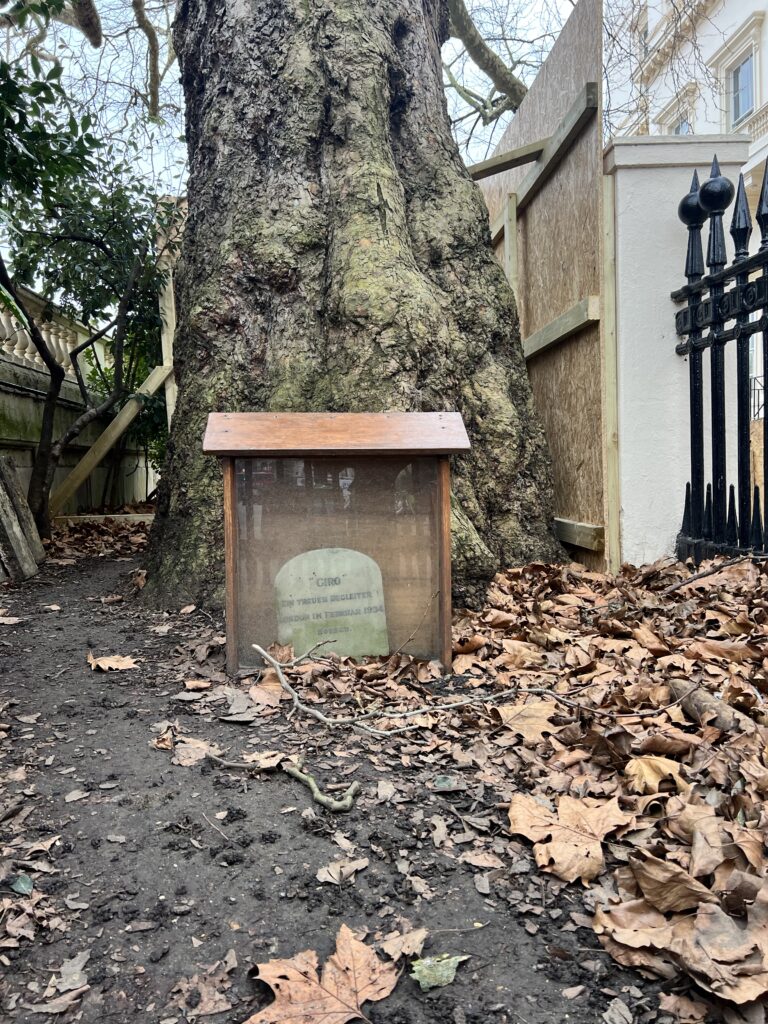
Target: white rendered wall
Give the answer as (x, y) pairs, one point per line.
(651, 175)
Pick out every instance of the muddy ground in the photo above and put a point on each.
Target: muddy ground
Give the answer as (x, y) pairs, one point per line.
(161, 870)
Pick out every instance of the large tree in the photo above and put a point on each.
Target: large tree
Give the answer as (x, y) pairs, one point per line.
(337, 257)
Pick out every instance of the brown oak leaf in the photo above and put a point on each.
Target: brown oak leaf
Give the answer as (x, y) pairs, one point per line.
(352, 976)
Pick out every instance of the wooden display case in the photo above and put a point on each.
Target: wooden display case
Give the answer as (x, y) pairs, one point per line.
(337, 528)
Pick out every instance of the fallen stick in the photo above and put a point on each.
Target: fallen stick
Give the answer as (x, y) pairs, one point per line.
(711, 571)
(702, 707)
(344, 803)
(337, 805)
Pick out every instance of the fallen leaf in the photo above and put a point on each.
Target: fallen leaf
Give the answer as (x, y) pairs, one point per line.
(188, 750)
(59, 1005)
(410, 943)
(75, 794)
(575, 832)
(269, 691)
(111, 662)
(531, 720)
(647, 774)
(618, 1013)
(341, 870)
(683, 1009)
(187, 609)
(72, 973)
(265, 759)
(197, 684)
(21, 884)
(666, 886)
(436, 971)
(573, 992)
(481, 859)
(352, 976)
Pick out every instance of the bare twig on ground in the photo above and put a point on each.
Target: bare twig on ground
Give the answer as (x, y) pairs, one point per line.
(711, 571)
(338, 805)
(215, 827)
(344, 803)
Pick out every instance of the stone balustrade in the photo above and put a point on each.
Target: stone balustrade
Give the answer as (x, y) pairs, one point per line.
(61, 334)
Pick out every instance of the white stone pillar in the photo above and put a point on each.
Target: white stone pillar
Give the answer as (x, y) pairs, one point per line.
(651, 175)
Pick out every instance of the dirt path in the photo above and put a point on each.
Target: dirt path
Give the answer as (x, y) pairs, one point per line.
(161, 870)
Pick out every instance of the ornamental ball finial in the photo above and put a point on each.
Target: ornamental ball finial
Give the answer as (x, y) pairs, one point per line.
(717, 192)
(689, 211)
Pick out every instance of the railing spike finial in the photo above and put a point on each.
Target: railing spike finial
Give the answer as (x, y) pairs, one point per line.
(707, 531)
(756, 533)
(732, 526)
(686, 530)
(693, 216)
(715, 196)
(762, 211)
(741, 223)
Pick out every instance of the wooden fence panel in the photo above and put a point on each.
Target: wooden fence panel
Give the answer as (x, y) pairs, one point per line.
(558, 266)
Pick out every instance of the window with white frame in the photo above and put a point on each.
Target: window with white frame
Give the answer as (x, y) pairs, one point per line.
(741, 88)
(682, 126)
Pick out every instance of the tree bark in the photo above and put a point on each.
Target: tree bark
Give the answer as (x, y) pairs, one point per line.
(337, 257)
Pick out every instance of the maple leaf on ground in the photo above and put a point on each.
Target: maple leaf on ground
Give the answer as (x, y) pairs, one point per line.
(352, 976)
(575, 832)
(530, 720)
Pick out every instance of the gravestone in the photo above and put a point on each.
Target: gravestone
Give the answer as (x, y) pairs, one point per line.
(332, 594)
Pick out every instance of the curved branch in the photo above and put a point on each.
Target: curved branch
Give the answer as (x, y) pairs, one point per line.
(463, 28)
(153, 57)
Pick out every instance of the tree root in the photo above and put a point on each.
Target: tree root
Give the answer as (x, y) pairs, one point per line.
(337, 805)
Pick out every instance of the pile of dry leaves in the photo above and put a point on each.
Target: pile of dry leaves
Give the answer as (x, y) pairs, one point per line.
(73, 540)
(618, 724)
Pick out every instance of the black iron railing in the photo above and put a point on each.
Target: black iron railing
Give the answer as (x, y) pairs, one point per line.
(730, 303)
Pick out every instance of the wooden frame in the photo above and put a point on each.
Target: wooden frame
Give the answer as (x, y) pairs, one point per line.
(432, 436)
(106, 441)
(564, 326)
(230, 563)
(506, 161)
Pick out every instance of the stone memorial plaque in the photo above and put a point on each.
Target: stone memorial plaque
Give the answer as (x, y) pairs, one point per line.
(332, 594)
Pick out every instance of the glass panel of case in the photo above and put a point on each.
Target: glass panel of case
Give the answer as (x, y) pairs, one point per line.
(342, 549)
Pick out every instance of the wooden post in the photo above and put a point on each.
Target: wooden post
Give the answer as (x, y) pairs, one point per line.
(510, 242)
(15, 554)
(9, 478)
(444, 554)
(104, 443)
(230, 562)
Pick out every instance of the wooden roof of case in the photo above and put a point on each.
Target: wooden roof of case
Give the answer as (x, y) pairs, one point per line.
(237, 434)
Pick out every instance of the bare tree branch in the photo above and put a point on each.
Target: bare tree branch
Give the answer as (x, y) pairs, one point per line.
(505, 80)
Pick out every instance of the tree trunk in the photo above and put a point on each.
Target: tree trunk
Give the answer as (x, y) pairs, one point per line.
(337, 257)
(46, 461)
